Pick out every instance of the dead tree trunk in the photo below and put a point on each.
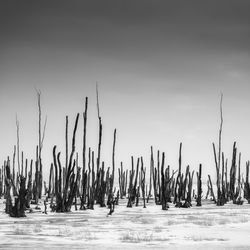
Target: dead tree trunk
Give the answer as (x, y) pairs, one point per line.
(233, 174)
(163, 187)
(143, 179)
(110, 198)
(178, 184)
(217, 158)
(199, 187)
(247, 186)
(84, 174)
(41, 135)
(130, 188)
(211, 188)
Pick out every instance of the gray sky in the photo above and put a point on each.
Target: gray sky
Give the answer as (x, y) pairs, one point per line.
(160, 66)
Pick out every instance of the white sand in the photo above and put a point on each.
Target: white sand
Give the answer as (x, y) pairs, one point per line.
(206, 227)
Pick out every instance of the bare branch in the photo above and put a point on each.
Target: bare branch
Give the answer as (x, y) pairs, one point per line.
(220, 131)
(18, 145)
(44, 128)
(97, 101)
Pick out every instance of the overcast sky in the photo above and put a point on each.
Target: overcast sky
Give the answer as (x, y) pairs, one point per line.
(160, 68)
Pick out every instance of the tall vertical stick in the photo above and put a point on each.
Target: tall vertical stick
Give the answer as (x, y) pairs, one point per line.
(100, 128)
(220, 131)
(14, 159)
(84, 134)
(67, 143)
(151, 171)
(39, 130)
(219, 153)
(18, 145)
(41, 135)
(113, 160)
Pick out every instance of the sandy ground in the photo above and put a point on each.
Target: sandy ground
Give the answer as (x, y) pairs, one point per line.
(206, 227)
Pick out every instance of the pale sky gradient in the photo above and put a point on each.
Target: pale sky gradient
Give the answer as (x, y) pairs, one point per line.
(160, 66)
